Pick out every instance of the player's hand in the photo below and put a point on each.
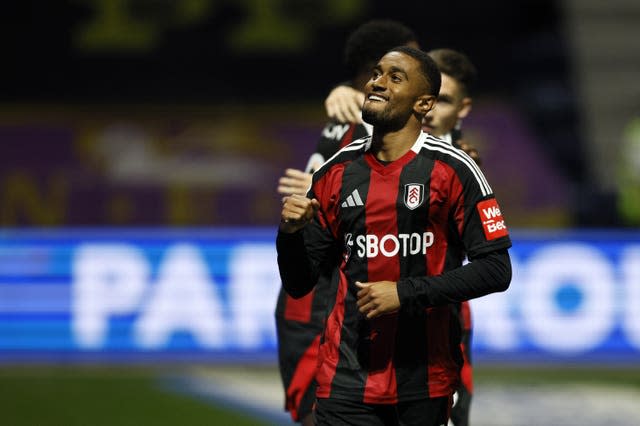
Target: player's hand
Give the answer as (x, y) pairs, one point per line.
(297, 212)
(344, 103)
(377, 298)
(471, 152)
(294, 182)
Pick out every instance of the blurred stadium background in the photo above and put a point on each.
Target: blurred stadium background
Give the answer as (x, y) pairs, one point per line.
(141, 144)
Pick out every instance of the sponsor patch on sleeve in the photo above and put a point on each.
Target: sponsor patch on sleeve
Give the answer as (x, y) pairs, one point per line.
(492, 221)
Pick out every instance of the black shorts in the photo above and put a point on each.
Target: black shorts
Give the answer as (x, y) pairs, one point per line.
(461, 406)
(423, 412)
(307, 403)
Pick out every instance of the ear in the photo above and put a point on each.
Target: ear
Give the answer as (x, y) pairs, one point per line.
(424, 104)
(466, 107)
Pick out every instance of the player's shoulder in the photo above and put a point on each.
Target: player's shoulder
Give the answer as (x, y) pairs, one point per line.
(442, 150)
(463, 165)
(346, 154)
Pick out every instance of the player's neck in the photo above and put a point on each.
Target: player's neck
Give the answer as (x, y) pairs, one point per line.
(389, 146)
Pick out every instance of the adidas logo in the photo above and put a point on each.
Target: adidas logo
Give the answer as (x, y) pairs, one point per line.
(353, 200)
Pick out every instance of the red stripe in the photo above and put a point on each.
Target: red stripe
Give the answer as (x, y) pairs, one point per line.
(381, 386)
(348, 137)
(328, 189)
(439, 206)
(299, 309)
(302, 377)
(442, 369)
(466, 374)
(465, 314)
(329, 354)
(457, 192)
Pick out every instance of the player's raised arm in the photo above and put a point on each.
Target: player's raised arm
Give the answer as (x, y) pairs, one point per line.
(344, 103)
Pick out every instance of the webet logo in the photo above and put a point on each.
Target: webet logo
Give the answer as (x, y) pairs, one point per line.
(492, 221)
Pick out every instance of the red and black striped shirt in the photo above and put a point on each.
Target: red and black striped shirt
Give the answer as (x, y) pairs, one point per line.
(408, 221)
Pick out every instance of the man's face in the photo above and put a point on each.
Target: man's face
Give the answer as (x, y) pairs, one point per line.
(452, 106)
(392, 92)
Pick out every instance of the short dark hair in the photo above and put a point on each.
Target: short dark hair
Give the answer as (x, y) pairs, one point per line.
(371, 40)
(428, 66)
(456, 65)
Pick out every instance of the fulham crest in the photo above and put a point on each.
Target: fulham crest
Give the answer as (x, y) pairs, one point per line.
(413, 195)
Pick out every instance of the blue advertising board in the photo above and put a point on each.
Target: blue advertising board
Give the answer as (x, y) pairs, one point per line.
(209, 294)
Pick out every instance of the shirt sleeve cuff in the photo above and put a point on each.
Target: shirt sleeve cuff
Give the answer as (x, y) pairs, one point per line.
(405, 293)
(411, 299)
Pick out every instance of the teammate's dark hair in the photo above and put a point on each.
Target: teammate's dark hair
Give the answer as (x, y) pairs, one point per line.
(457, 66)
(371, 40)
(428, 66)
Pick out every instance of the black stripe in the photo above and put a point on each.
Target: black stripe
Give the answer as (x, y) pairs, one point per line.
(351, 370)
(411, 345)
(346, 154)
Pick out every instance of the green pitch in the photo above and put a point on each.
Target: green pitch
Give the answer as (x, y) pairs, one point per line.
(81, 396)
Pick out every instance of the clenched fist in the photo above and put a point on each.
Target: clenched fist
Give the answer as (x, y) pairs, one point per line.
(297, 211)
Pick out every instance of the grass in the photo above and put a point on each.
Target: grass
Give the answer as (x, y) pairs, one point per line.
(70, 396)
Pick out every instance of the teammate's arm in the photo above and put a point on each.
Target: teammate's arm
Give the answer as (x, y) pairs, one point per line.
(294, 181)
(471, 151)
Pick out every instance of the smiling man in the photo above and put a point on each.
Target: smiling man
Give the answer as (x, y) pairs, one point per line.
(458, 77)
(299, 323)
(390, 351)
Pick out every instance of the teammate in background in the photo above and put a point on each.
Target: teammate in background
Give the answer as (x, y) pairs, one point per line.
(458, 76)
(300, 322)
(390, 352)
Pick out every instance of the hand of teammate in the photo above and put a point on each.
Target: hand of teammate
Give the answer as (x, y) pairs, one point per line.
(377, 298)
(344, 103)
(471, 152)
(294, 182)
(297, 212)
